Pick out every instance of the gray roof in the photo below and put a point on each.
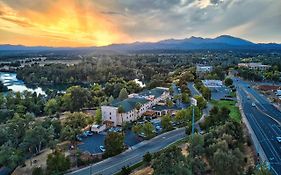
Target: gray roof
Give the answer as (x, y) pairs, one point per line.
(156, 92)
(130, 103)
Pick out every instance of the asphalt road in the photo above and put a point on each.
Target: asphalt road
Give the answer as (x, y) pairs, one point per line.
(264, 120)
(192, 89)
(132, 156)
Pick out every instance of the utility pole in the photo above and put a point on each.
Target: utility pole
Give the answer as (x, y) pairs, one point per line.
(192, 132)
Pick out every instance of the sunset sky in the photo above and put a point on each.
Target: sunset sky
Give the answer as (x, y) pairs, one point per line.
(102, 22)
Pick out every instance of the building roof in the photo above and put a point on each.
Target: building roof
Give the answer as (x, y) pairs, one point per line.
(164, 107)
(130, 103)
(142, 98)
(156, 92)
(212, 83)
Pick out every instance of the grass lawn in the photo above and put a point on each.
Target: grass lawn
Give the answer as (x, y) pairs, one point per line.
(234, 110)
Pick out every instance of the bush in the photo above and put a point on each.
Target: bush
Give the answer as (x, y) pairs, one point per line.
(147, 158)
(125, 171)
(37, 171)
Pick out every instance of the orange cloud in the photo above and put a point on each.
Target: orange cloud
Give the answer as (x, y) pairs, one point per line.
(62, 23)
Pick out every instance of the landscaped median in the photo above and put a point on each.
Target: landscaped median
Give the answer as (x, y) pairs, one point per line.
(232, 106)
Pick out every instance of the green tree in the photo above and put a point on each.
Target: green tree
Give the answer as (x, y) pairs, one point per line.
(171, 161)
(121, 110)
(10, 157)
(169, 103)
(126, 170)
(76, 98)
(98, 117)
(206, 93)
(181, 115)
(185, 98)
(73, 125)
(228, 81)
(196, 147)
(110, 99)
(137, 128)
(114, 144)
(37, 171)
(67, 133)
(147, 158)
(57, 163)
(228, 162)
(36, 137)
(148, 129)
(51, 107)
(123, 94)
(166, 122)
(201, 103)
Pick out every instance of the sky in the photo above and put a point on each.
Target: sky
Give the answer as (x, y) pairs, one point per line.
(78, 23)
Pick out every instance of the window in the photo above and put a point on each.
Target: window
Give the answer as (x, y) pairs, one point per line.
(110, 113)
(110, 118)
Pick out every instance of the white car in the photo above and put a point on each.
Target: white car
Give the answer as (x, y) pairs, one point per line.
(102, 148)
(278, 139)
(253, 104)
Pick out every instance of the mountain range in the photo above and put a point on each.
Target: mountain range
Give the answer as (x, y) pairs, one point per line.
(223, 42)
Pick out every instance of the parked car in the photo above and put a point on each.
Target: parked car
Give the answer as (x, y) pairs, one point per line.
(78, 138)
(84, 134)
(158, 128)
(142, 135)
(88, 133)
(253, 104)
(102, 148)
(278, 139)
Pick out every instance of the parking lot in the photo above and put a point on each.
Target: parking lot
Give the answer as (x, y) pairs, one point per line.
(92, 143)
(220, 92)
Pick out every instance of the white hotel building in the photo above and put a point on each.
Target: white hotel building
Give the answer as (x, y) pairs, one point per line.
(146, 99)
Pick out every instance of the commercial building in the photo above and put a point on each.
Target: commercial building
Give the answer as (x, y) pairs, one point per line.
(212, 83)
(203, 69)
(112, 116)
(254, 66)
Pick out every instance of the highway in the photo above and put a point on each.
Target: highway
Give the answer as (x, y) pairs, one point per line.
(132, 156)
(264, 120)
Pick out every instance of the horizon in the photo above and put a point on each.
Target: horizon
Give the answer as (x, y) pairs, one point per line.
(7, 44)
(88, 23)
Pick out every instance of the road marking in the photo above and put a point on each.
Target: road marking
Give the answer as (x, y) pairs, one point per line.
(264, 135)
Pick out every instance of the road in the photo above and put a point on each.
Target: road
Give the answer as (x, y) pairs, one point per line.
(264, 120)
(132, 156)
(195, 92)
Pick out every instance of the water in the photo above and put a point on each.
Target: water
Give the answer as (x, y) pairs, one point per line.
(10, 80)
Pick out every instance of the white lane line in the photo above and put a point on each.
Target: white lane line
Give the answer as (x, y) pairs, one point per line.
(273, 150)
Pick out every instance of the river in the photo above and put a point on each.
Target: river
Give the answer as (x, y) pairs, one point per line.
(10, 80)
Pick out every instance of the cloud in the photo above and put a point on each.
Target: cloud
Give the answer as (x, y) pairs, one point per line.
(19, 22)
(103, 22)
(160, 19)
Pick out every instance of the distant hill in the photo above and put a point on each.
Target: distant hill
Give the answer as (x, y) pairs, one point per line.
(223, 42)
